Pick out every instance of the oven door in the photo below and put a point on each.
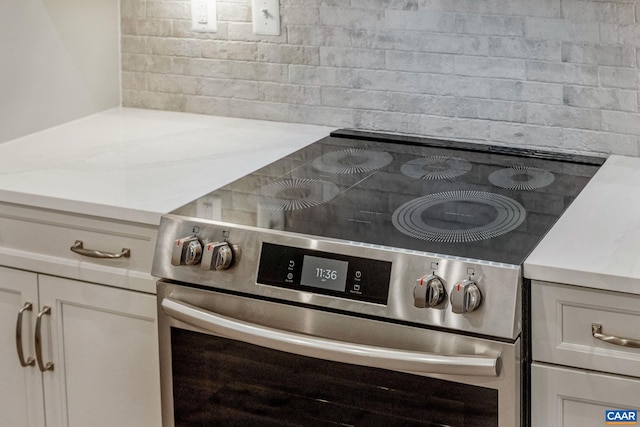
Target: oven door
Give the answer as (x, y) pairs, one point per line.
(228, 360)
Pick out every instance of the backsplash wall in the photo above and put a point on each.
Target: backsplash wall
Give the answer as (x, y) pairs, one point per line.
(536, 73)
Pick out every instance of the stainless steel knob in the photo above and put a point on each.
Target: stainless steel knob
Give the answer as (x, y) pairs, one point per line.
(428, 292)
(465, 297)
(193, 252)
(183, 248)
(217, 256)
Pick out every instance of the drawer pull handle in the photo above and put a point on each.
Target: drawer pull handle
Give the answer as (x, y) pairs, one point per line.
(78, 247)
(596, 331)
(38, 339)
(30, 360)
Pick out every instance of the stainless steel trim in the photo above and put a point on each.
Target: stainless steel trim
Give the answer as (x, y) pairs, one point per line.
(78, 247)
(406, 361)
(596, 332)
(38, 340)
(30, 361)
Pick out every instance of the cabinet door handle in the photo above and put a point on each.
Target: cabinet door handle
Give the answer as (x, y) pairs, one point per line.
(38, 339)
(78, 247)
(30, 361)
(596, 332)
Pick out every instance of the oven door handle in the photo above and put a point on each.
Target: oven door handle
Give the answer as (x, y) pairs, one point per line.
(356, 354)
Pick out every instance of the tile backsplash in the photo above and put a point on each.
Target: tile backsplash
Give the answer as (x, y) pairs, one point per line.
(537, 73)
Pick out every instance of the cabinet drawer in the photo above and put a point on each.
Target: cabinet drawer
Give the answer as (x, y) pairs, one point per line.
(572, 398)
(40, 240)
(562, 319)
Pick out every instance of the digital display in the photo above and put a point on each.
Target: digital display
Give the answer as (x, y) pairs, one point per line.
(310, 270)
(324, 273)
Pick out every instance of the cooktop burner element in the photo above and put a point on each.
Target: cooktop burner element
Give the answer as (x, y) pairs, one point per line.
(469, 201)
(458, 216)
(436, 167)
(293, 194)
(352, 160)
(521, 178)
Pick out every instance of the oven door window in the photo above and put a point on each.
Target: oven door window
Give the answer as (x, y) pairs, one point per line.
(222, 382)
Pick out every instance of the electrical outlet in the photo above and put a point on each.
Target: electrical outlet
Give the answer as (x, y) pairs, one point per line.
(266, 17)
(204, 16)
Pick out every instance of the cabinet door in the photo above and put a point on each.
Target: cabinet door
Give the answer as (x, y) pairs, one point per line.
(562, 328)
(565, 397)
(103, 345)
(21, 402)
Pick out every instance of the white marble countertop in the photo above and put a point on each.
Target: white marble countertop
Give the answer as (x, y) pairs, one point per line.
(596, 243)
(135, 165)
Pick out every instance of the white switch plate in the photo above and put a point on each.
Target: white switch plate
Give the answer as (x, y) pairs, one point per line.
(204, 16)
(266, 17)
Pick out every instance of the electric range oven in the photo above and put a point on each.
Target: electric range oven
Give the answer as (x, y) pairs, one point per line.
(366, 279)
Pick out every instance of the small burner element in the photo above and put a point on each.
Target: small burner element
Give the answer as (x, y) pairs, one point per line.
(352, 160)
(458, 216)
(294, 194)
(436, 167)
(521, 178)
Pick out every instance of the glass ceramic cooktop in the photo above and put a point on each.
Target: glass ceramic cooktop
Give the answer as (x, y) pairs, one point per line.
(469, 200)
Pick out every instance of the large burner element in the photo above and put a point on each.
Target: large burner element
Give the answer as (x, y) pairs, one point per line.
(294, 194)
(521, 178)
(436, 167)
(458, 216)
(352, 160)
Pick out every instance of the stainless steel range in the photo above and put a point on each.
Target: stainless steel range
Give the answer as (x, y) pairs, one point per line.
(366, 279)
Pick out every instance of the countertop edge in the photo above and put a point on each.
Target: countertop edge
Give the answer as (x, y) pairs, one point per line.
(582, 278)
(109, 212)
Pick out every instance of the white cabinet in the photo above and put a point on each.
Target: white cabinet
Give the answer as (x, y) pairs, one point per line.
(562, 328)
(102, 343)
(40, 240)
(21, 403)
(100, 332)
(576, 375)
(570, 397)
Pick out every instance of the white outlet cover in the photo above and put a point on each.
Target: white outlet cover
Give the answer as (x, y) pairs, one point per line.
(266, 17)
(207, 8)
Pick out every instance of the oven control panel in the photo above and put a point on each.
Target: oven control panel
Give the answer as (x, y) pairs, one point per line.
(387, 283)
(325, 273)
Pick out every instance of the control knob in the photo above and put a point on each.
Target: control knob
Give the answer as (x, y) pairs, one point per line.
(193, 253)
(465, 297)
(428, 292)
(186, 250)
(217, 256)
